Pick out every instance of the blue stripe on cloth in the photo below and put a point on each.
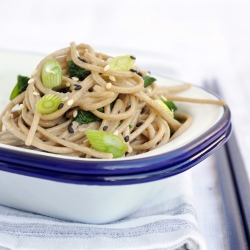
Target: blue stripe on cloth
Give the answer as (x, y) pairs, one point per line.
(8, 211)
(183, 208)
(81, 231)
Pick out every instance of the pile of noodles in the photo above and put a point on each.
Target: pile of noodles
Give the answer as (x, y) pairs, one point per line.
(135, 116)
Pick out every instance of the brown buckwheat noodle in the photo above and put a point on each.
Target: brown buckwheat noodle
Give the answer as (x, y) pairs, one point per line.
(135, 116)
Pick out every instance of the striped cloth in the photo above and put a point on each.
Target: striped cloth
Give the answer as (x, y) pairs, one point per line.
(166, 222)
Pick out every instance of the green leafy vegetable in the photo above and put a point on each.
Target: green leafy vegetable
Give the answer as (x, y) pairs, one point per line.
(51, 74)
(148, 80)
(101, 110)
(86, 117)
(170, 105)
(20, 87)
(48, 104)
(121, 63)
(76, 71)
(107, 142)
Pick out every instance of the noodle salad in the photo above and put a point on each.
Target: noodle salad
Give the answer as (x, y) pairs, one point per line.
(79, 102)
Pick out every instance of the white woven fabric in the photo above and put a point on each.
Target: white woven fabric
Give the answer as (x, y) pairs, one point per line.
(166, 222)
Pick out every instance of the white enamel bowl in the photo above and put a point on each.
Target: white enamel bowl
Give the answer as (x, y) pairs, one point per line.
(101, 191)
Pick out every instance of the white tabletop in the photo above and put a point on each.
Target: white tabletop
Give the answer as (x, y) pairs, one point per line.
(190, 40)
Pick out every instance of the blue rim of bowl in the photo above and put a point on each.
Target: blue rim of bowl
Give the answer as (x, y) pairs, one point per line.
(156, 175)
(119, 166)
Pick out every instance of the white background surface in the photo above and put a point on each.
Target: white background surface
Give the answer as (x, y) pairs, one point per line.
(187, 39)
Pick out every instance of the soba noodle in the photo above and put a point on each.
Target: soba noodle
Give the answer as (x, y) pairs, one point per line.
(128, 109)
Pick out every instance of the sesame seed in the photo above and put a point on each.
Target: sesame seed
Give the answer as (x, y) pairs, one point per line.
(86, 50)
(112, 78)
(139, 73)
(83, 60)
(116, 132)
(126, 138)
(65, 98)
(75, 79)
(149, 90)
(21, 106)
(139, 124)
(108, 85)
(70, 129)
(68, 84)
(105, 128)
(60, 105)
(133, 70)
(77, 52)
(31, 80)
(34, 72)
(133, 57)
(75, 113)
(106, 67)
(35, 93)
(70, 102)
(77, 86)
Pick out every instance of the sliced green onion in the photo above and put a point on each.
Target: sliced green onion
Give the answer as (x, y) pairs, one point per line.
(170, 112)
(51, 74)
(121, 63)
(107, 142)
(48, 104)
